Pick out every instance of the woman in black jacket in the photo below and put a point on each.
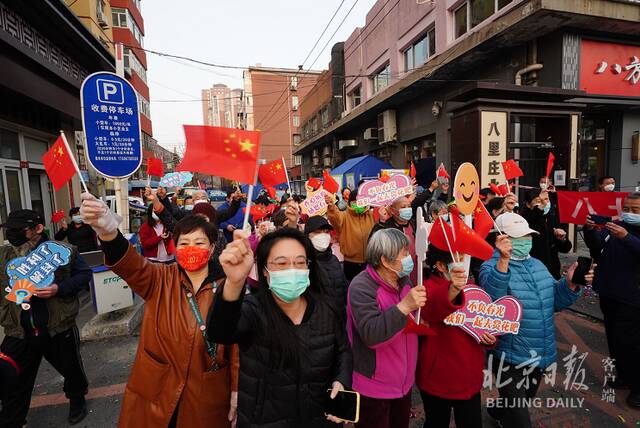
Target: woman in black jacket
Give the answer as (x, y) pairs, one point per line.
(293, 346)
(551, 239)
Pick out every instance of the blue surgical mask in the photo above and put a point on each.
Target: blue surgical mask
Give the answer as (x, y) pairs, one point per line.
(407, 267)
(289, 284)
(631, 218)
(546, 208)
(76, 219)
(406, 213)
(521, 247)
(451, 266)
(445, 217)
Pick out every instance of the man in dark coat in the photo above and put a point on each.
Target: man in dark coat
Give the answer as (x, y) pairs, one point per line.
(317, 229)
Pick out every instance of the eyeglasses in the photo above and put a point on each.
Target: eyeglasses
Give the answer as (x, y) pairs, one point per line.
(283, 263)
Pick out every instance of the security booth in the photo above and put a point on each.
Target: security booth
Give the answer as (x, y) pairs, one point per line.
(492, 123)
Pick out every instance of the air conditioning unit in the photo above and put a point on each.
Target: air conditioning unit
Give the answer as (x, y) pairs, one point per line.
(387, 131)
(343, 144)
(371, 134)
(294, 107)
(102, 20)
(327, 162)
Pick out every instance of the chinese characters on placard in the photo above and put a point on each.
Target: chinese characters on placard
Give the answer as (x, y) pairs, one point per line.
(494, 150)
(632, 69)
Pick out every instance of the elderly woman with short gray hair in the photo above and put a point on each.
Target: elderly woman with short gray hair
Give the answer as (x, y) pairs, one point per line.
(384, 357)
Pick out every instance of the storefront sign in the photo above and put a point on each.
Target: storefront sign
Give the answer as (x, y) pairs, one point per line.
(39, 266)
(575, 206)
(493, 146)
(111, 124)
(610, 68)
(481, 315)
(378, 193)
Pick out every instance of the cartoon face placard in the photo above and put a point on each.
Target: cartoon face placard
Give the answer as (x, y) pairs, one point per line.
(39, 266)
(466, 188)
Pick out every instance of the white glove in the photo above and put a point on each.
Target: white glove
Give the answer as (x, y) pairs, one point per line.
(97, 214)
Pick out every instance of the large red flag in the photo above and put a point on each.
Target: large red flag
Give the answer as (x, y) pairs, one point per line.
(575, 206)
(58, 164)
(273, 173)
(511, 170)
(482, 220)
(155, 167)
(226, 152)
(467, 241)
(329, 184)
(550, 161)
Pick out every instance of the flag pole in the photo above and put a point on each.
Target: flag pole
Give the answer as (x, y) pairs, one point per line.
(286, 173)
(446, 238)
(73, 159)
(245, 222)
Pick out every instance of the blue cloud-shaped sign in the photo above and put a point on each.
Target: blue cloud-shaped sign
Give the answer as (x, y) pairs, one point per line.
(174, 179)
(39, 266)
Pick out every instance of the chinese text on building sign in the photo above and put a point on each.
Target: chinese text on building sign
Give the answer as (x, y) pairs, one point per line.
(610, 68)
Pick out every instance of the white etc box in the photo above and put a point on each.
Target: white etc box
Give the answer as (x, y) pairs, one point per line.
(109, 292)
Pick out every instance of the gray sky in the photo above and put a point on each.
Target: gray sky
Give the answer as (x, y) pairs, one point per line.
(275, 33)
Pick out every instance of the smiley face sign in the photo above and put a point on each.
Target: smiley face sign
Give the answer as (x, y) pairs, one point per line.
(466, 188)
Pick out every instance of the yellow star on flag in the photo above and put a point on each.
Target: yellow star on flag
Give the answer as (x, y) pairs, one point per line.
(246, 146)
(59, 152)
(278, 166)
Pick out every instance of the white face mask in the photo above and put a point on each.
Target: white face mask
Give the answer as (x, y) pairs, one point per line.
(198, 201)
(543, 186)
(609, 187)
(321, 241)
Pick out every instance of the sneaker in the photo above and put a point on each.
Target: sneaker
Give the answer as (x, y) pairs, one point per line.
(77, 410)
(633, 400)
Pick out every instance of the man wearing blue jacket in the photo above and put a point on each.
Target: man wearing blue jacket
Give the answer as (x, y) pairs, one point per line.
(234, 222)
(617, 280)
(512, 271)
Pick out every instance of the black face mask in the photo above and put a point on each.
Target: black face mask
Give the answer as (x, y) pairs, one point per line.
(16, 237)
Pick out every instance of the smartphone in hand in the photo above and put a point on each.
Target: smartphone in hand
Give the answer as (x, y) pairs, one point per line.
(346, 405)
(584, 266)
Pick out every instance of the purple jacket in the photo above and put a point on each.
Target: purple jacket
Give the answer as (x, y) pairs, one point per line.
(384, 356)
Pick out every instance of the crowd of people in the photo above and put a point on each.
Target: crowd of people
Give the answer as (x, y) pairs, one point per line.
(262, 328)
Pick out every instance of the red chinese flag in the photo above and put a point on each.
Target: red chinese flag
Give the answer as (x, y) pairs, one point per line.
(58, 164)
(511, 170)
(330, 185)
(500, 190)
(57, 216)
(226, 152)
(482, 220)
(314, 183)
(467, 241)
(412, 170)
(441, 232)
(273, 173)
(442, 172)
(550, 161)
(155, 167)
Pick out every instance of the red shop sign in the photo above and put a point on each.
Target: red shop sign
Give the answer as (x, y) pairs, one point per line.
(610, 68)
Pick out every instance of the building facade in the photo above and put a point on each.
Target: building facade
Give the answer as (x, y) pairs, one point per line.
(488, 80)
(222, 106)
(45, 54)
(271, 104)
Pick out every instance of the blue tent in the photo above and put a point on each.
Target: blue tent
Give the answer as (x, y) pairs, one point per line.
(349, 173)
(258, 188)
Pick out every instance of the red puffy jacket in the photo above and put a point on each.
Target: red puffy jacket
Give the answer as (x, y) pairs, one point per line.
(149, 240)
(451, 363)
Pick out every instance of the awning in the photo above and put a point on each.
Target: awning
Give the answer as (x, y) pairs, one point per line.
(349, 173)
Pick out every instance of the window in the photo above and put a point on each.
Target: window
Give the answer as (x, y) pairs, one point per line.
(381, 79)
(143, 105)
(34, 149)
(324, 117)
(296, 120)
(297, 159)
(481, 10)
(503, 3)
(418, 53)
(9, 145)
(131, 62)
(460, 21)
(296, 139)
(119, 17)
(294, 102)
(355, 98)
(294, 82)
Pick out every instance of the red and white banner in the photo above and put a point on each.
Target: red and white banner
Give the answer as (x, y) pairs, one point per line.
(575, 206)
(610, 68)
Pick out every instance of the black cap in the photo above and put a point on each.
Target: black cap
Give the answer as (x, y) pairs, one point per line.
(19, 219)
(316, 222)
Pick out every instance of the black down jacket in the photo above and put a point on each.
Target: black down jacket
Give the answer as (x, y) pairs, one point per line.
(287, 397)
(337, 283)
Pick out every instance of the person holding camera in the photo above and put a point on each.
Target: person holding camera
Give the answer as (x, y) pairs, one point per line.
(617, 280)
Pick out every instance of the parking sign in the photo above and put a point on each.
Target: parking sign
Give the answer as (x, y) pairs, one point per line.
(111, 122)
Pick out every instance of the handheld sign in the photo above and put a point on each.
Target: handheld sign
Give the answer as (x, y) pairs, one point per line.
(466, 188)
(377, 193)
(39, 266)
(481, 315)
(174, 179)
(111, 122)
(315, 203)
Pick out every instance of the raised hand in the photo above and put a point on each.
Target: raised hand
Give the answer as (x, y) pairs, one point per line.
(96, 214)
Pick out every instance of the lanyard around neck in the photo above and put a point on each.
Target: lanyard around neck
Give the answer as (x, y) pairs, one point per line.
(212, 348)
